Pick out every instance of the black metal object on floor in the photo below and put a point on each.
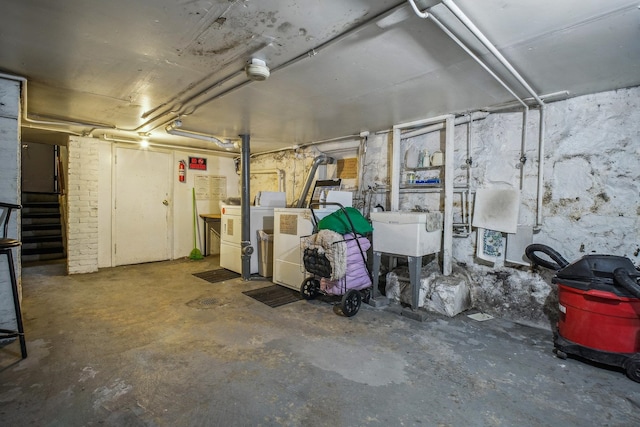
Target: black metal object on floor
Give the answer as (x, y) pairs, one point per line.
(217, 275)
(274, 296)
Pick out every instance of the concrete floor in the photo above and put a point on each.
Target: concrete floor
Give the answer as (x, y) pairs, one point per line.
(152, 345)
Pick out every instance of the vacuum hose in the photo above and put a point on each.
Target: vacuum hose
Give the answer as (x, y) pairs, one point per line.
(559, 263)
(623, 277)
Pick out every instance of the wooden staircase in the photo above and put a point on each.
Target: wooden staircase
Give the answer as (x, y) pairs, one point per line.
(41, 227)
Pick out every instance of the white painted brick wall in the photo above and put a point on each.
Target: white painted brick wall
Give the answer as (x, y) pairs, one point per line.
(82, 206)
(9, 189)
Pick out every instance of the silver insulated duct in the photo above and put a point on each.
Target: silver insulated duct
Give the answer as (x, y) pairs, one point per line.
(322, 159)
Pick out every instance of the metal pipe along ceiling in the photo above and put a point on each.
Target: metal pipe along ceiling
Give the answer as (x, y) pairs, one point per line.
(184, 111)
(173, 130)
(246, 250)
(476, 115)
(485, 41)
(452, 36)
(460, 15)
(181, 108)
(24, 107)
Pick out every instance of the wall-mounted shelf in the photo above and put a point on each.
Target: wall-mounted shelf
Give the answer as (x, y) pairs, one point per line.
(421, 186)
(432, 188)
(426, 168)
(445, 172)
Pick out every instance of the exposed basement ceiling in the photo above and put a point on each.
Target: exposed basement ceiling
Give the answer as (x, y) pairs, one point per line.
(338, 67)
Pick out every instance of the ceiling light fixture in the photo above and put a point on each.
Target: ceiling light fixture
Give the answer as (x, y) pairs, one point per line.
(257, 70)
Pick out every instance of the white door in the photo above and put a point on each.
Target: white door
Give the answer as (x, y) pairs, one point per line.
(141, 206)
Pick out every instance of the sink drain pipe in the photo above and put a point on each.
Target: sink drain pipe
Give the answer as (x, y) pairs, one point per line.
(246, 249)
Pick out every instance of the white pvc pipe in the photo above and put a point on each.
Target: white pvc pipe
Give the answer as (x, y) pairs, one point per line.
(422, 122)
(469, 173)
(475, 57)
(12, 77)
(494, 51)
(24, 108)
(50, 129)
(477, 115)
(325, 141)
(173, 130)
(550, 97)
(469, 52)
(523, 145)
(478, 34)
(211, 151)
(447, 249)
(485, 41)
(463, 206)
(418, 12)
(540, 167)
(395, 169)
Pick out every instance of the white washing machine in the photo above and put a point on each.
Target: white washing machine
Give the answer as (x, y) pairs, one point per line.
(231, 235)
(289, 225)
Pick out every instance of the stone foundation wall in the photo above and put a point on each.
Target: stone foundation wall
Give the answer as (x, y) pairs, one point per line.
(591, 199)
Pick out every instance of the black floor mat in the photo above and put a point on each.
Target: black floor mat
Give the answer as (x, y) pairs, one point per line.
(274, 296)
(217, 275)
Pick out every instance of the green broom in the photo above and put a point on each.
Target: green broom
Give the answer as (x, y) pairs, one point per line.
(195, 253)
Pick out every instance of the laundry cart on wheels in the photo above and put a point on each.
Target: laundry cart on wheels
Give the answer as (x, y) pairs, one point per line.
(335, 256)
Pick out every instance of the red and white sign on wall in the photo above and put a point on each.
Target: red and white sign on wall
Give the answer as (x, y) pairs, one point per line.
(199, 163)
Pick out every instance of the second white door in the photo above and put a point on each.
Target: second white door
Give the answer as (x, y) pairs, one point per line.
(142, 206)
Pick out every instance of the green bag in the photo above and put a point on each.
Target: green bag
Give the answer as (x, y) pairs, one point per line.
(340, 224)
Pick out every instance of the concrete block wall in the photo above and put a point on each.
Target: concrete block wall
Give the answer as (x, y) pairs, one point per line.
(82, 205)
(9, 188)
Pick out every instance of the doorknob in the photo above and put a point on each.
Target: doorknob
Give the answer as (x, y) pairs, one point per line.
(165, 202)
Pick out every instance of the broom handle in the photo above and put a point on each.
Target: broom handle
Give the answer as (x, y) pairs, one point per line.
(193, 192)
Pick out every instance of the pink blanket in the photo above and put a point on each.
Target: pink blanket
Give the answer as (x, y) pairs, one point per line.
(356, 276)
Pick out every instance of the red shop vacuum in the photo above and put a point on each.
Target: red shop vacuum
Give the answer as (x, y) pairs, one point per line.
(599, 303)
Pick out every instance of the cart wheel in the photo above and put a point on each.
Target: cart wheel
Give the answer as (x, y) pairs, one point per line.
(366, 295)
(351, 303)
(632, 366)
(560, 354)
(310, 288)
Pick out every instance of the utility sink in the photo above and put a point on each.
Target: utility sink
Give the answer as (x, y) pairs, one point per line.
(407, 233)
